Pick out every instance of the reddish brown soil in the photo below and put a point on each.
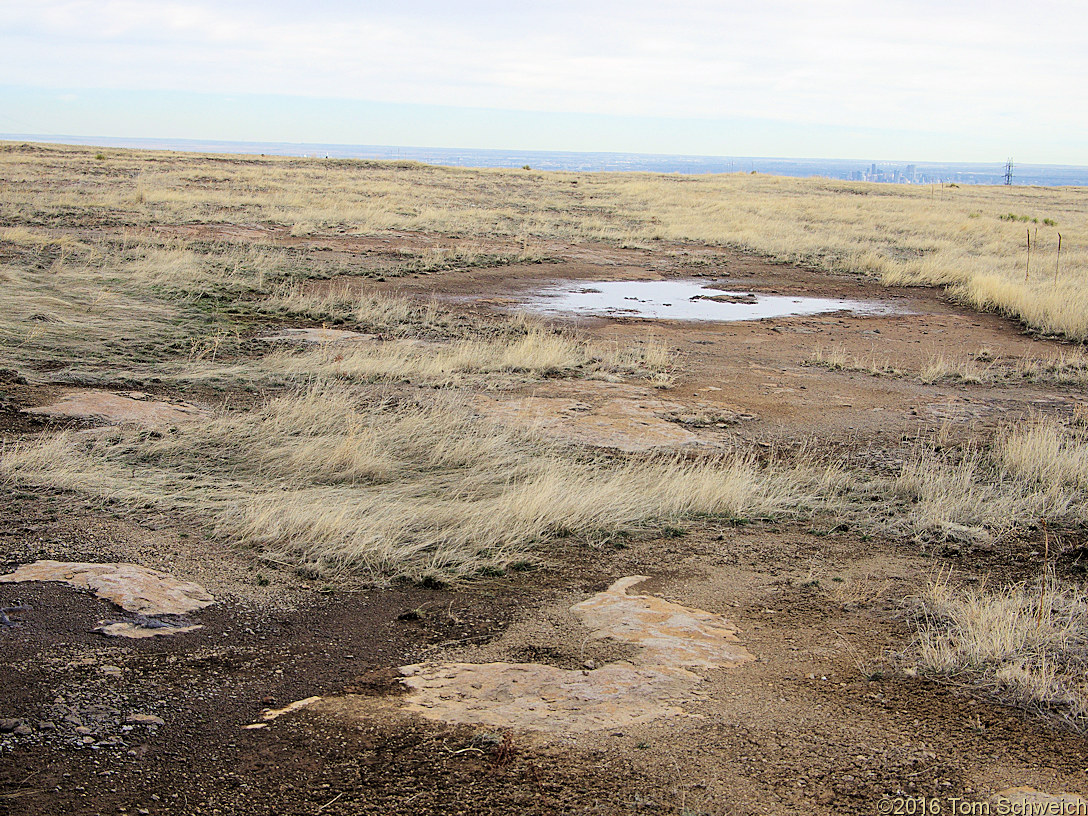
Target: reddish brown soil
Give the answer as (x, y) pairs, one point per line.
(824, 721)
(761, 366)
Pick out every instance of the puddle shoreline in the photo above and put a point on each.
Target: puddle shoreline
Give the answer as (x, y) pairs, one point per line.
(685, 300)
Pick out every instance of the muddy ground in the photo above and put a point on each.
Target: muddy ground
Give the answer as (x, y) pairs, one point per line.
(827, 717)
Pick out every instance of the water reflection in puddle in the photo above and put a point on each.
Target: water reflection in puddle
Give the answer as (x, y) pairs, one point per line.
(683, 300)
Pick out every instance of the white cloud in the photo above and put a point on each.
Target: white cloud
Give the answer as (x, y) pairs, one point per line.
(901, 65)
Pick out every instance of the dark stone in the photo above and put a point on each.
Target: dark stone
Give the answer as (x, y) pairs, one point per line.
(9, 724)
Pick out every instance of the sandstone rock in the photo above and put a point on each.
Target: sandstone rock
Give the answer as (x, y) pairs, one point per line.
(669, 634)
(621, 423)
(137, 589)
(545, 698)
(273, 713)
(118, 408)
(133, 629)
(673, 640)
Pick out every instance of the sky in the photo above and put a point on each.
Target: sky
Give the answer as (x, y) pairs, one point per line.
(925, 80)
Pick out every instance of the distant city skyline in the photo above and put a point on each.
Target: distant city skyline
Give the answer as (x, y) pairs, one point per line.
(970, 81)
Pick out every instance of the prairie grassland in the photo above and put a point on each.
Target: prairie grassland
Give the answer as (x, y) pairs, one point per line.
(71, 308)
(175, 299)
(388, 314)
(483, 363)
(1026, 643)
(333, 482)
(1066, 367)
(520, 343)
(144, 308)
(959, 237)
(333, 474)
(102, 303)
(1037, 473)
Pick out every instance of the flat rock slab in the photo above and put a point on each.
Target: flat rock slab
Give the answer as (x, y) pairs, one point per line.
(316, 336)
(544, 698)
(620, 423)
(669, 634)
(134, 588)
(654, 685)
(118, 408)
(137, 630)
(273, 713)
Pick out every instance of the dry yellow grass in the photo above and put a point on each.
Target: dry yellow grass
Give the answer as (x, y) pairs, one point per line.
(332, 482)
(941, 368)
(1026, 643)
(1067, 367)
(957, 237)
(1045, 453)
(142, 308)
(486, 362)
(838, 359)
(1028, 474)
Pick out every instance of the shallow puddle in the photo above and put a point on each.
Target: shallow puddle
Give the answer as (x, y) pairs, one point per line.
(684, 300)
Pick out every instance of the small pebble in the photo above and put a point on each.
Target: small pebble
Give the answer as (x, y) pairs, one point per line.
(145, 719)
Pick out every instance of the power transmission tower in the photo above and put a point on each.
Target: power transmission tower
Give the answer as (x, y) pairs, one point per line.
(1008, 172)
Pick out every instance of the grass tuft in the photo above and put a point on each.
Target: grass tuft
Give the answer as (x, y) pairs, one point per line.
(397, 488)
(1028, 644)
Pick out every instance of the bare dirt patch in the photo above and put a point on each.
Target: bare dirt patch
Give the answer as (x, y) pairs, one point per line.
(602, 418)
(761, 368)
(822, 720)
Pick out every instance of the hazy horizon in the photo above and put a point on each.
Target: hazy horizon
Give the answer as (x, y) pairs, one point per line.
(856, 169)
(141, 142)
